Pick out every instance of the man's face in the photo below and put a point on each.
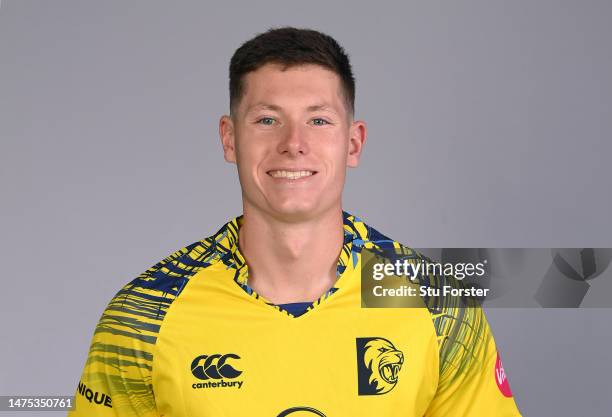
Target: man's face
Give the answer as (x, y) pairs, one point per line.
(292, 138)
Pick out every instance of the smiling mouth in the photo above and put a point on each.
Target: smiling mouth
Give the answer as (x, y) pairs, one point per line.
(291, 175)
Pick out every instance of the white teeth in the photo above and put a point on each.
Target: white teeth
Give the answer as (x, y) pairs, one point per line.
(292, 175)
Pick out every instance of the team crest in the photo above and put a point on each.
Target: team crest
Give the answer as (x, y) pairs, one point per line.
(378, 365)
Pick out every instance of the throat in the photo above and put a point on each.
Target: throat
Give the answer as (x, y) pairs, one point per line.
(291, 261)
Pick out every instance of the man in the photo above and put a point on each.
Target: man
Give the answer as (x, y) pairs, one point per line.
(264, 317)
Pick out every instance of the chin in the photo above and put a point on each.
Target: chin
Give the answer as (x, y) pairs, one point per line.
(295, 210)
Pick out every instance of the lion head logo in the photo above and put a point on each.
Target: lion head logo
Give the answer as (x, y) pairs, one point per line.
(378, 365)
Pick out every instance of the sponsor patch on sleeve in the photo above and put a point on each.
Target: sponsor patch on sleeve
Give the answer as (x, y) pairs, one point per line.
(501, 379)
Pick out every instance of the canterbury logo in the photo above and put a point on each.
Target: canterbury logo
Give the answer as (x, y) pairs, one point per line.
(214, 366)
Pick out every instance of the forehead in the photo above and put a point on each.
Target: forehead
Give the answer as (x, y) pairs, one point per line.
(294, 86)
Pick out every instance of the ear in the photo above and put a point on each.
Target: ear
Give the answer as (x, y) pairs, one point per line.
(228, 138)
(356, 140)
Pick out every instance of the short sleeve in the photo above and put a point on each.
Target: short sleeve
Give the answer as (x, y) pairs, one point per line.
(472, 379)
(116, 379)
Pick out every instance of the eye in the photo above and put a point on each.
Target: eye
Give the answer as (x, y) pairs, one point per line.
(382, 350)
(266, 121)
(319, 122)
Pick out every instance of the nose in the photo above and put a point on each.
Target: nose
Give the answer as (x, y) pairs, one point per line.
(293, 141)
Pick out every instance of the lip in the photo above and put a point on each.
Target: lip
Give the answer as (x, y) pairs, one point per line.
(314, 171)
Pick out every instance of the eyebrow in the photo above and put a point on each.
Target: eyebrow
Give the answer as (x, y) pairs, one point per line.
(318, 107)
(274, 107)
(264, 106)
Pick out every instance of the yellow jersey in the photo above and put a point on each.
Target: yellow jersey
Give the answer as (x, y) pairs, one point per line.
(190, 338)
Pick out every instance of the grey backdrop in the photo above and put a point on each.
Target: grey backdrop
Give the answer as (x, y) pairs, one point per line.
(489, 126)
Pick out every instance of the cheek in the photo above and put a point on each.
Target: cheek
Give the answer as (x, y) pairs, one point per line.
(336, 153)
(248, 168)
(249, 150)
(250, 156)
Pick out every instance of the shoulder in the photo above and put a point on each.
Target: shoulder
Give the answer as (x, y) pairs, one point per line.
(460, 325)
(377, 243)
(137, 309)
(121, 354)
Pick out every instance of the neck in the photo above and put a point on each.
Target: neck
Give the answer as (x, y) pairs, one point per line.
(291, 261)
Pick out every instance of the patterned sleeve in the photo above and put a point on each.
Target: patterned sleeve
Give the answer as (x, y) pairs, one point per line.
(472, 380)
(116, 379)
(117, 376)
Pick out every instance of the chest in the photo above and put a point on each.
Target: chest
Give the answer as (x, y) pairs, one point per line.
(243, 357)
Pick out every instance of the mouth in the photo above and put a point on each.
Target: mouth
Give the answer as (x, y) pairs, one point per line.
(389, 372)
(291, 175)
